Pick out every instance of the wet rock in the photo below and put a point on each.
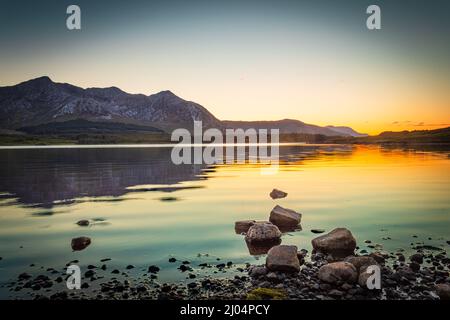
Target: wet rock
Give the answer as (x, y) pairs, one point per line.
(83, 223)
(89, 273)
(337, 272)
(283, 217)
(317, 230)
(401, 257)
(192, 285)
(360, 261)
(115, 271)
(80, 243)
(153, 269)
(283, 258)
(339, 243)
(106, 259)
(257, 271)
(241, 227)
(62, 295)
(263, 232)
(336, 293)
(378, 257)
(277, 194)
(184, 268)
(414, 266)
(417, 257)
(443, 291)
(24, 276)
(172, 260)
(130, 266)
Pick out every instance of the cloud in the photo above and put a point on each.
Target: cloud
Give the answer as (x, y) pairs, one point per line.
(424, 124)
(419, 124)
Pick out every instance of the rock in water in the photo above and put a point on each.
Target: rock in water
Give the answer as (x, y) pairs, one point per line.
(338, 272)
(283, 258)
(317, 230)
(278, 194)
(83, 223)
(417, 257)
(443, 291)
(243, 226)
(339, 243)
(80, 243)
(284, 217)
(361, 261)
(263, 232)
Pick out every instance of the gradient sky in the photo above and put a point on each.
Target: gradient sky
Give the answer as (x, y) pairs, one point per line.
(247, 60)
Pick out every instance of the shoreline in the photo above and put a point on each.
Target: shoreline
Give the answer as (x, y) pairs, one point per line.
(413, 278)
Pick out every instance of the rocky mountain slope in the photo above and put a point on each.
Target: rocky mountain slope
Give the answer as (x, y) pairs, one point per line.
(40, 102)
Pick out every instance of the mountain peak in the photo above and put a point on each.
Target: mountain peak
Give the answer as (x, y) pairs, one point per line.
(167, 93)
(37, 82)
(43, 79)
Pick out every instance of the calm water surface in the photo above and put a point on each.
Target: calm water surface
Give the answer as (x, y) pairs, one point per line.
(148, 210)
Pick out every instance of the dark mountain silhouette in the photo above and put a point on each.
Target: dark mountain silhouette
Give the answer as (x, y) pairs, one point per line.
(43, 106)
(41, 101)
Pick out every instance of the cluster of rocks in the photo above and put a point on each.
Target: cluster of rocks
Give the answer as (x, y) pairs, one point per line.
(336, 272)
(260, 236)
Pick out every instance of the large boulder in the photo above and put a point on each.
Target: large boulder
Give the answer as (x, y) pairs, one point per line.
(361, 261)
(80, 243)
(338, 272)
(277, 194)
(283, 258)
(241, 227)
(339, 243)
(283, 217)
(262, 233)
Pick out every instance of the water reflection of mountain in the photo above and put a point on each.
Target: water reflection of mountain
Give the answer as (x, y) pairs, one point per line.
(47, 175)
(43, 176)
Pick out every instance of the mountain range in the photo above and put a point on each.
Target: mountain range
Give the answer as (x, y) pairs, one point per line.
(41, 105)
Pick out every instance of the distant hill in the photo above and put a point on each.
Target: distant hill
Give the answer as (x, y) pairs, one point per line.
(346, 131)
(437, 136)
(418, 136)
(288, 126)
(41, 106)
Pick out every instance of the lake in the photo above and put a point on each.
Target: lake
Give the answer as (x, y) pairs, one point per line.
(145, 210)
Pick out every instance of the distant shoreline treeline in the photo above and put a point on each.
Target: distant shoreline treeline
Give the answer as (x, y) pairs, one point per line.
(132, 134)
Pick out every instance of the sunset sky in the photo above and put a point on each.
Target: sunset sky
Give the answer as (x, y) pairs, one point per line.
(247, 60)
